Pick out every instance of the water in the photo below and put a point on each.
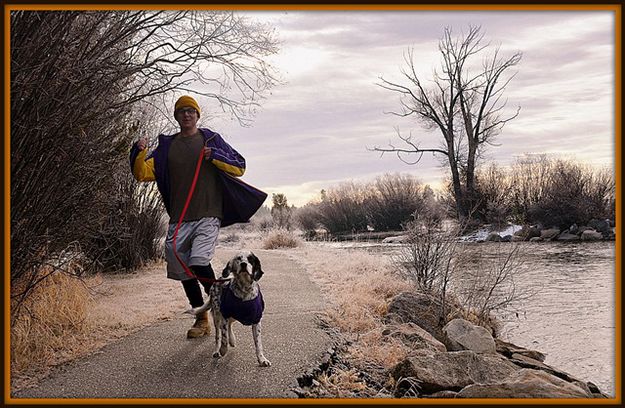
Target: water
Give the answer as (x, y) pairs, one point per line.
(571, 315)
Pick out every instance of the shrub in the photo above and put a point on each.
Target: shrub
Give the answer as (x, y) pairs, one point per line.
(436, 263)
(262, 220)
(392, 200)
(573, 194)
(342, 209)
(308, 219)
(492, 192)
(280, 238)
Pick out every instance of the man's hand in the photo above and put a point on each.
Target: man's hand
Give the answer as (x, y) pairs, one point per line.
(207, 153)
(142, 143)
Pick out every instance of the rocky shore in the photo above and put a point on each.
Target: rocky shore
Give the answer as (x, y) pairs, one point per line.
(453, 360)
(596, 230)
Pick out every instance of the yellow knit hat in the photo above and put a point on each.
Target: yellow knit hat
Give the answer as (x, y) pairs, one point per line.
(187, 102)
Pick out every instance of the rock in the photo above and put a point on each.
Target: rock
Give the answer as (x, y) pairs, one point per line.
(591, 235)
(493, 237)
(463, 335)
(508, 349)
(527, 233)
(602, 226)
(536, 239)
(567, 237)
(414, 336)
(506, 238)
(453, 370)
(419, 308)
(528, 362)
(526, 383)
(517, 238)
(574, 229)
(395, 240)
(548, 234)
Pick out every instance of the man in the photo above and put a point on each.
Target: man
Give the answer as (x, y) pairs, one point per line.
(219, 198)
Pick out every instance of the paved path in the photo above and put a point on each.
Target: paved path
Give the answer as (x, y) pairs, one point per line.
(159, 362)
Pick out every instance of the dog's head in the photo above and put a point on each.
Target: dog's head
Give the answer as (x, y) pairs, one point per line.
(245, 266)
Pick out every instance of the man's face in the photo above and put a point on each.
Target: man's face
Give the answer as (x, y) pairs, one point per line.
(186, 117)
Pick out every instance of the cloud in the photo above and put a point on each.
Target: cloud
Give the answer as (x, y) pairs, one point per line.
(314, 129)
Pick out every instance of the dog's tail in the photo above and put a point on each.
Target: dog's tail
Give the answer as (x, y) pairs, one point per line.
(197, 310)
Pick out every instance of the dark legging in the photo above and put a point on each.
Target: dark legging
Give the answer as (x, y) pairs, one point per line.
(192, 287)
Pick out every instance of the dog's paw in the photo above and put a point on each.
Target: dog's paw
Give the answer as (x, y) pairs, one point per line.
(216, 354)
(191, 311)
(264, 363)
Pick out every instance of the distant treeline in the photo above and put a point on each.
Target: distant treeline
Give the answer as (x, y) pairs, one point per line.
(534, 190)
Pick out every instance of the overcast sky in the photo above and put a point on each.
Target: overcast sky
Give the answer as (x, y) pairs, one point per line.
(313, 131)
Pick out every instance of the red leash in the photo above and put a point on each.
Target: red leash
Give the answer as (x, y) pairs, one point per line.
(184, 210)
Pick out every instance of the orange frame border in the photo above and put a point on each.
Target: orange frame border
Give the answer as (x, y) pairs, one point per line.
(615, 8)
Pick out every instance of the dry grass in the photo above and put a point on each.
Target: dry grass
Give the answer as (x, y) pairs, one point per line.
(359, 285)
(52, 323)
(342, 383)
(281, 238)
(66, 318)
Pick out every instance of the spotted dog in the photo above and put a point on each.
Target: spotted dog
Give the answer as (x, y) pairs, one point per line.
(238, 300)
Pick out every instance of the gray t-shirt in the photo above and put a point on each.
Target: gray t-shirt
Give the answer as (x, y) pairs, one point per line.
(207, 196)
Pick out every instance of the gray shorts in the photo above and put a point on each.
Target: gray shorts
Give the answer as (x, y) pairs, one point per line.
(195, 244)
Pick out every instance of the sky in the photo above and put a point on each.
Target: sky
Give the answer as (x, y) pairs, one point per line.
(316, 129)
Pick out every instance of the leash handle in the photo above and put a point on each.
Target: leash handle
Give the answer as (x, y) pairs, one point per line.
(187, 270)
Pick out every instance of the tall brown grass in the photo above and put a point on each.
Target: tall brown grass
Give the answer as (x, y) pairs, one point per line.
(359, 286)
(51, 323)
(65, 317)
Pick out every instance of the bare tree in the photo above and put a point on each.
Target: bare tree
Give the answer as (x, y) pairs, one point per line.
(77, 79)
(467, 108)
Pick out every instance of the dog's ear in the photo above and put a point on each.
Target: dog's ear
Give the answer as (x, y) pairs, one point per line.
(226, 271)
(258, 272)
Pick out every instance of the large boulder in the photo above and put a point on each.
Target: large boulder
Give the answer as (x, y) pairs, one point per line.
(549, 234)
(453, 370)
(508, 349)
(419, 308)
(463, 335)
(526, 383)
(526, 233)
(602, 226)
(591, 235)
(395, 240)
(413, 336)
(566, 237)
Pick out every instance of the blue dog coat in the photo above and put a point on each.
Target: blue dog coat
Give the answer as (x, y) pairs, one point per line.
(248, 312)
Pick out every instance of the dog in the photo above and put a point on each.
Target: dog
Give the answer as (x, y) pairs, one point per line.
(240, 300)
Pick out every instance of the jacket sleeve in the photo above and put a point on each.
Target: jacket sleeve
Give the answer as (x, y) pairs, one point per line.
(142, 168)
(225, 158)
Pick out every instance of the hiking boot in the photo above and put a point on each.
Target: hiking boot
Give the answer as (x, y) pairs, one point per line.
(200, 327)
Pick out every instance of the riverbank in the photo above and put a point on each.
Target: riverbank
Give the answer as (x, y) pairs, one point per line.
(357, 293)
(363, 367)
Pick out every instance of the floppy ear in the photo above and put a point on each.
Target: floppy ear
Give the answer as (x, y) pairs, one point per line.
(258, 272)
(226, 271)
